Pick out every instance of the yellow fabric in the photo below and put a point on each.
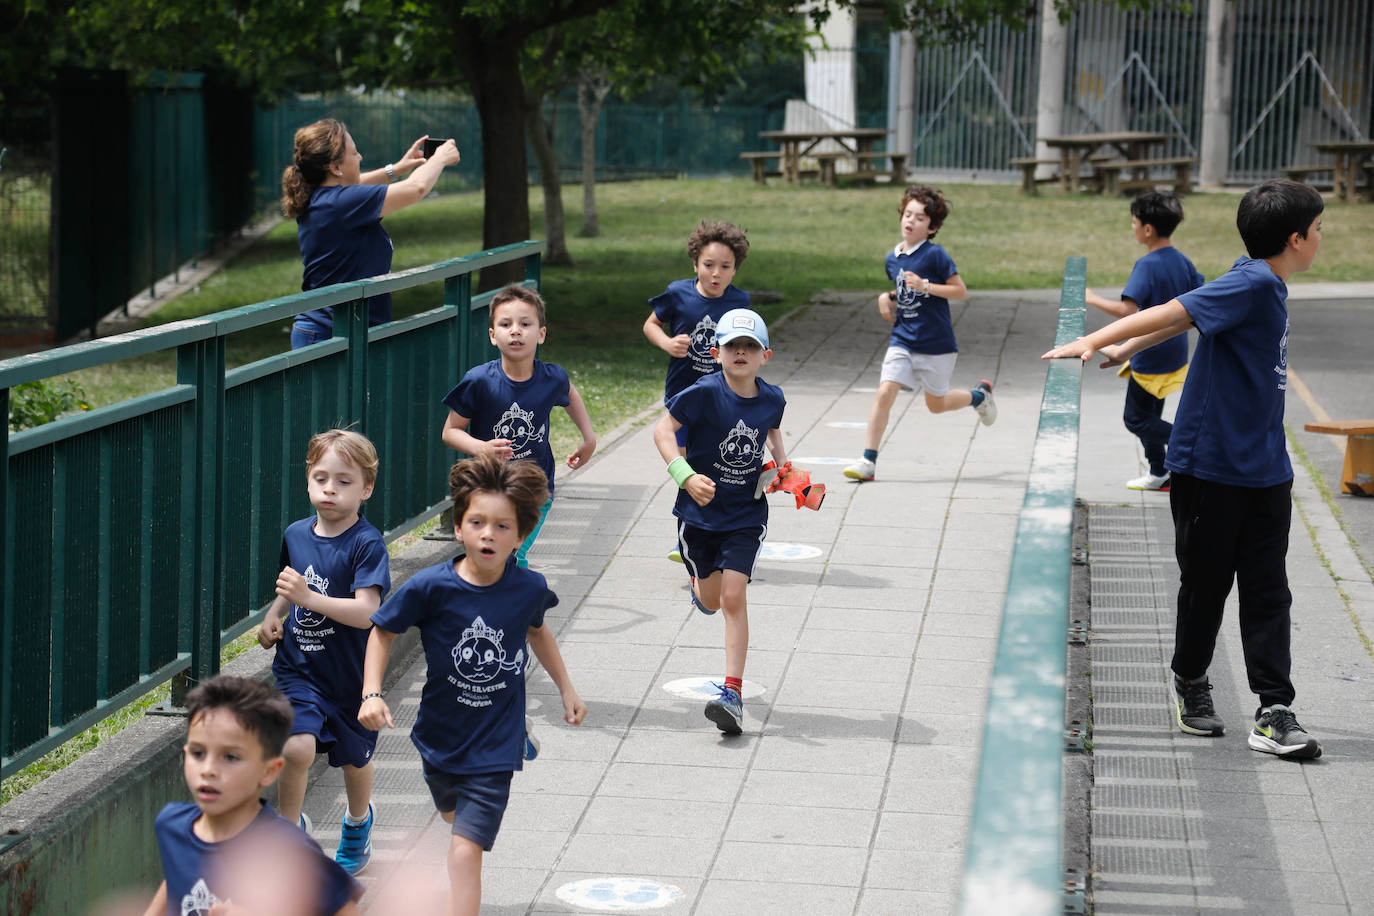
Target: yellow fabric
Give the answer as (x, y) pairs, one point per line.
(1161, 384)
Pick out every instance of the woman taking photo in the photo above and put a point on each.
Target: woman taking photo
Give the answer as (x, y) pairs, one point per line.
(339, 209)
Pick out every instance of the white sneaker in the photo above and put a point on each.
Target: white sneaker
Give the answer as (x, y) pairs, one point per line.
(987, 411)
(1149, 482)
(863, 469)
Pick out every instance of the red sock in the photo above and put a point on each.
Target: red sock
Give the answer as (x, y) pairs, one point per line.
(736, 684)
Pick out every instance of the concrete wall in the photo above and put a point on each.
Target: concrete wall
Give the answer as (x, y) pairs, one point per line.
(90, 826)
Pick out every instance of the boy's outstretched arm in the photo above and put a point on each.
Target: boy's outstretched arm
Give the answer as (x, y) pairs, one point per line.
(545, 649)
(270, 633)
(1119, 308)
(1140, 324)
(353, 612)
(457, 437)
(775, 446)
(1120, 353)
(374, 713)
(674, 346)
(701, 488)
(577, 411)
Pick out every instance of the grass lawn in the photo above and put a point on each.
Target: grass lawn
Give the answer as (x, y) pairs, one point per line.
(804, 239)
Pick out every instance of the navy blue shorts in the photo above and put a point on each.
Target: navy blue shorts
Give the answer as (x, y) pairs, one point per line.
(336, 732)
(705, 551)
(477, 800)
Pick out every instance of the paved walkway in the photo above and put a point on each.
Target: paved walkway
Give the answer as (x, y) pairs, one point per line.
(873, 626)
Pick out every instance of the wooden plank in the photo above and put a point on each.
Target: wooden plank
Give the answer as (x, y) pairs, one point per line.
(1343, 427)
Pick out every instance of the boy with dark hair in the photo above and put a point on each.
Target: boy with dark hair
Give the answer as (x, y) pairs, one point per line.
(212, 849)
(1162, 274)
(683, 321)
(722, 516)
(1232, 480)
(335, 570)
(476, 615)
(502, 407)
(921, 351)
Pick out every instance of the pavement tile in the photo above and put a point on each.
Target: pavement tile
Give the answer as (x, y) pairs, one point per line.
(674, 781)
(832, 755)
(647, 855)
(814, 826)
(789, 863)
(921, 831)
(809, 722)
(839, 694)
(763, 898)
(888, 902)
(903, 869)
(675, 817)
(826, 790)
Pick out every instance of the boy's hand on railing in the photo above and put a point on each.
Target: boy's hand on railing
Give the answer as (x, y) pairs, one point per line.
(1080, 348)
(374, 713)
(1112, 356)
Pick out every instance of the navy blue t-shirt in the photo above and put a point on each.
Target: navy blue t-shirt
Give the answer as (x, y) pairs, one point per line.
(498, 408)
(684, 310)
(1161, 275)
(726, 442)
(190, 865)
(1229, 423)
(342, 239)
(923, 324)
(472, 708)
(315, 651)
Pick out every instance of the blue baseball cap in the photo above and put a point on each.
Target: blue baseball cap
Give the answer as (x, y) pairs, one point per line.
(741, 323)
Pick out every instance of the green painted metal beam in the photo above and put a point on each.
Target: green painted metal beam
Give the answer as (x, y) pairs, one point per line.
(1013, 863)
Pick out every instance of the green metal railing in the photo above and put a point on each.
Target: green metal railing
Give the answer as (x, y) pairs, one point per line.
(139, 537)
(1013, 862)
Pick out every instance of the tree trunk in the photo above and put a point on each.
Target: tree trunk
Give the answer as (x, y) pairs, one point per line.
(541, 138)
(592, 90)
(491, 63)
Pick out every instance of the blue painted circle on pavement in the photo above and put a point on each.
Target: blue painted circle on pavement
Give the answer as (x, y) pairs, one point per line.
(781, 550)
(619, 893)
(847, 424)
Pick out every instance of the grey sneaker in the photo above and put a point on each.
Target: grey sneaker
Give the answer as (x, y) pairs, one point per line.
(696, 602)
(987, 411)
(1194, 711)
(1277, 731)
(726, 709)
(863, 469)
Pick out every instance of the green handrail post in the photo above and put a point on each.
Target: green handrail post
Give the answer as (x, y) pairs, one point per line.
(6, 568)
(532, 270)
(1014, 859)
(201, 364)
(356, 332)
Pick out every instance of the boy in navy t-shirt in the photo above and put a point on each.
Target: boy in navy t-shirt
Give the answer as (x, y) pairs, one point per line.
(722, 518)
(1164, 273)
(229, 847)
(476, 616)
(921, 351)
(1231, 478)
(335, 570)
(683, 321)
(503, 407)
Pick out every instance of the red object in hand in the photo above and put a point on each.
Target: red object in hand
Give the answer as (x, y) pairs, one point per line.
(798, 483)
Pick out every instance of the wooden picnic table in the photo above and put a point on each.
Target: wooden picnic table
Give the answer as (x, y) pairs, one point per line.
(1349, 155)
(794, 144)
(1074, 148)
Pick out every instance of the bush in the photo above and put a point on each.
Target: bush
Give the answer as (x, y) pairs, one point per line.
(35, 403)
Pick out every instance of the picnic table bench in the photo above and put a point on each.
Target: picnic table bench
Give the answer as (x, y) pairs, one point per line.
(864, 160)
(759, 160)
(1357, 476)
(1110, 173)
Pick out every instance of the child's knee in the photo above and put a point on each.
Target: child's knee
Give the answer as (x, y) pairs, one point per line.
(935, 403)
(887, 393)
(464, 855)
(299, 751)
(733, 588)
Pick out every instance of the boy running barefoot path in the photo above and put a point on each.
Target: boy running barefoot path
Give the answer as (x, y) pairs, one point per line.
(228, 852)
(722, 518)
(1231, 493)
(502, 407)
(921, 351)
(335, 570)
(1155, 372)
(683, 322)
(476, 615)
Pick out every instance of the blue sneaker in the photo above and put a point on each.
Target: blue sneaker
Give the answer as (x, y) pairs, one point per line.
(531, 742)
(306, 826)
(726, 709)
(355, 844)
(696, 602)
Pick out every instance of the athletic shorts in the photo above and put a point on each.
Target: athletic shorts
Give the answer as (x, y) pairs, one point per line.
(914, 371)
(477, 800)
(705, 551)
(336, 732)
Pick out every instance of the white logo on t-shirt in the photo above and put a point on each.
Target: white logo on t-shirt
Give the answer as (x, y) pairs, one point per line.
(518, 426)
(741, 447)
(199, 901)
(316, 583)
(703, 339)
(1281, 370)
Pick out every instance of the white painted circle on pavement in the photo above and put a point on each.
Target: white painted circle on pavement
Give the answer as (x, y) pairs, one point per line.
(811, 459)
(847, 424)
(704, 688)
(620, 893)
(781, 550)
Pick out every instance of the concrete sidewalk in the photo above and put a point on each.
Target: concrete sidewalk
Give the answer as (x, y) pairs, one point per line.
(873, 625)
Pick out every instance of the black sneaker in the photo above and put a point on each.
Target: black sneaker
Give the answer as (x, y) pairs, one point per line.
(1277, 731)
(1195, 713)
